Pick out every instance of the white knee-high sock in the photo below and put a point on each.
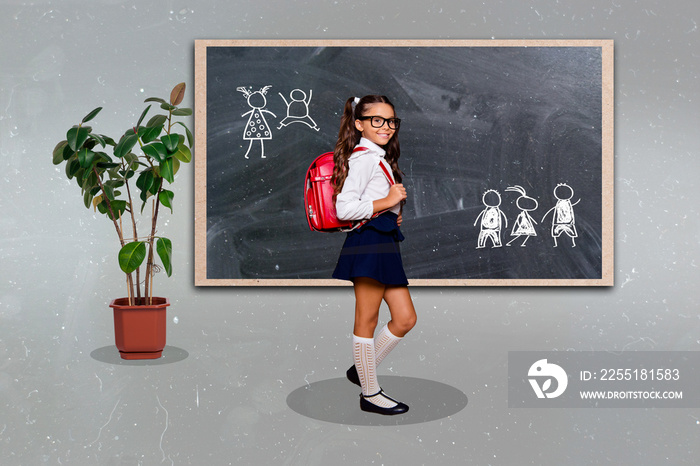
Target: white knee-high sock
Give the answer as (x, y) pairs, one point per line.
(384, 342)
(364, 356)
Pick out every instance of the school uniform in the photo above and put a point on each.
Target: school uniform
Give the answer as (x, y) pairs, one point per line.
(371, 250)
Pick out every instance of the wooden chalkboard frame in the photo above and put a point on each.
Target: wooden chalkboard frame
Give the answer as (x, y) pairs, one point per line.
(606, 175)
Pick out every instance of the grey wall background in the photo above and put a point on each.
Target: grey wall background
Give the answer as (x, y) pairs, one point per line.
(220, 396)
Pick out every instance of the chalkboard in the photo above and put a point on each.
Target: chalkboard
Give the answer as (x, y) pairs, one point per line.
(506, 149)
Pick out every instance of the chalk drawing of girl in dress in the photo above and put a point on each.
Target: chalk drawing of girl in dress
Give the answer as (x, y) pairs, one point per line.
(490, 220)
(524, 224)
(298, 109)
(256, 129)
(563, 219)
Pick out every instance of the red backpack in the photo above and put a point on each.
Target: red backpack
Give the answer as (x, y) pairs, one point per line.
(318, 196)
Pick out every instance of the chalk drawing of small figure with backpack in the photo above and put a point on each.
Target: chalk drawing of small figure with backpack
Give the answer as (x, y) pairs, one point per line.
(563, 219)
(524, 223)
(257, 128)
(491, 224)
(298, 109)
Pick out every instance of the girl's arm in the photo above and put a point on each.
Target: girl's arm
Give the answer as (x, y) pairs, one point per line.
(354, 202)
(348, 204)
(397, 193)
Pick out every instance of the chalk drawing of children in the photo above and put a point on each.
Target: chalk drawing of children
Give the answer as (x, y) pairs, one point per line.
(298, 109)
(491, 220)
(256, 128)
(524, 224)
(563, 219)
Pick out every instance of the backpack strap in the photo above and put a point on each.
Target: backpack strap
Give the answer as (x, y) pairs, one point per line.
(391, 181)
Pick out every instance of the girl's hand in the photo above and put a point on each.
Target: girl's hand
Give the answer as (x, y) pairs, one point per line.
(399, 220)
(397, 193)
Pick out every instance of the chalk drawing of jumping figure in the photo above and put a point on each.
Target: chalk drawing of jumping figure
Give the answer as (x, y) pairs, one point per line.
(491, 224)
(524, 225)
(298, 109)
(256, 128)
(563, 219)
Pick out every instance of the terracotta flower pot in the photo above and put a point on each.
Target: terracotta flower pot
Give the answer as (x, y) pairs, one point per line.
(139, 330)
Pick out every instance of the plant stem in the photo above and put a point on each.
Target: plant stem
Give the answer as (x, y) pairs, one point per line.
(136, 235)
(151, 238)
(129, 278)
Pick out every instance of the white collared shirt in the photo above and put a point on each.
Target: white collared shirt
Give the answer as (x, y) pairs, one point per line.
(364, 184)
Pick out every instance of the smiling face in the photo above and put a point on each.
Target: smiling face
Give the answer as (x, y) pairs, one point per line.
(379, 136)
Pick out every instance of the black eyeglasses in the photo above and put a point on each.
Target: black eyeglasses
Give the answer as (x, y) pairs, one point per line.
(378, 122)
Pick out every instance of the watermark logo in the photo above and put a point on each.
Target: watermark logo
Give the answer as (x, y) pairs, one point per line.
(546, 372)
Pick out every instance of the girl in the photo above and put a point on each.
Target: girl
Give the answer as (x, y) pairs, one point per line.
(524, 224)
(370, 257)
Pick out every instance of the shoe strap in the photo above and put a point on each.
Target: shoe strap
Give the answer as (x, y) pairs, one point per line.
(380, 392)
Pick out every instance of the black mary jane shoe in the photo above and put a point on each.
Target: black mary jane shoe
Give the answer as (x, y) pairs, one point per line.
(352, 376)
(370, 407)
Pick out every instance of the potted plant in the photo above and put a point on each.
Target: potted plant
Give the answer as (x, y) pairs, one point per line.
(132, 183)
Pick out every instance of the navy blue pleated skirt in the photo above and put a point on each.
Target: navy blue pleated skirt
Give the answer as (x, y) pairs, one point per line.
(373, 251)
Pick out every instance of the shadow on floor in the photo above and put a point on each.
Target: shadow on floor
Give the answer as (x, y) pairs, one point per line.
(337, 401)
(110, 355)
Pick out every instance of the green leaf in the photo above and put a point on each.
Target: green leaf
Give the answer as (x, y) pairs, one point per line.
(182, 112)
(72, 166)
(68, 152)
(90, 181)
(126, 143)
(86, 157)
(164, 248)
(77, 136)
(183, 153)
(157, 120)
(58, 152)
(155, 99)
(126, 174)
(150, 134)
(167, 170)
(91, 115)
(166, 198)
(145, 181)
(156, 150)
(109, 188)
(167, 107)
(143, 115)
(119, 207)
(190, 139)
(130, 158)
(87, 199)
(176, 165)
(103, 156)
(108, 140)
(79, 173)
(131, 256)
(99, 138)
(171, 141)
